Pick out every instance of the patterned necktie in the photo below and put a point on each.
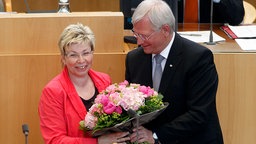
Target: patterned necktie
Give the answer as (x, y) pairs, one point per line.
(158, 71)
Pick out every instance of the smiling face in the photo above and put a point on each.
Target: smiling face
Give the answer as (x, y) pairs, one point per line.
(153, 41)
(78, 59)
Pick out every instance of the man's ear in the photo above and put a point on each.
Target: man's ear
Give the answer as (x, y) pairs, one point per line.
(166, 29)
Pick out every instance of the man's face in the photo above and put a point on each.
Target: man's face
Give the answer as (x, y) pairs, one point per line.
(152, 41)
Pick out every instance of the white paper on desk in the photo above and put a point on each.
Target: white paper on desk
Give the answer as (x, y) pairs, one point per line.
(247, 44)
(246, 31)
(204, 36)
(8, 13)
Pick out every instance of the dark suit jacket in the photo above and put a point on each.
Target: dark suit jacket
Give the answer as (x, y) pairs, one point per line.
(189, 83)
(227, 11)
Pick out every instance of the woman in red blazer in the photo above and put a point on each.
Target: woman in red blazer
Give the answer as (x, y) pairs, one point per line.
(66, 99)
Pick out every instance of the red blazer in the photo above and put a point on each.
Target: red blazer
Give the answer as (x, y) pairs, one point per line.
(61, 109)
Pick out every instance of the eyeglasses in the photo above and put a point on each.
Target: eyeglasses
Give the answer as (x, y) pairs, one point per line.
(143, 37)
(75, 56)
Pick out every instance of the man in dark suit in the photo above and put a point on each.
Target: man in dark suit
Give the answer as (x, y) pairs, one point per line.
(224, 11)
(189, 79)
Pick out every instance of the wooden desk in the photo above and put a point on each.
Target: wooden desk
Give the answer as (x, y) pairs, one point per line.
(236, 95)
(228, 46)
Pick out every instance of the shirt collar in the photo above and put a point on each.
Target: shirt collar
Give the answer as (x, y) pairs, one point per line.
(166, 50)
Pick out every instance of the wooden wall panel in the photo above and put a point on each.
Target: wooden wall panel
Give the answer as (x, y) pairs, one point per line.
(21, 81)
(236, 96)
(39, 33)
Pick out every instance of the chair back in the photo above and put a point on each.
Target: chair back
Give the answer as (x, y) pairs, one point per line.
(250, 13)
(2, 6)
(191, 11)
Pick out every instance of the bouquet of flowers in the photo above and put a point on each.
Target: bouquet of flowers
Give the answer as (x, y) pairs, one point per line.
(112, 108)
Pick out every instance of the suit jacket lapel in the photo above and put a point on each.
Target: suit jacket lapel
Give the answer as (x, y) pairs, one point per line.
(147, 70)
(172, 63)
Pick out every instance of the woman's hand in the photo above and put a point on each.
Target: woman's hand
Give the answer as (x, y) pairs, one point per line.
(114, 138)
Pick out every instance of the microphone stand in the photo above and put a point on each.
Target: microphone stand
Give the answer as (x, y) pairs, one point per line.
(25, 131)
(26, 139)
(174, 4)
(211, 42)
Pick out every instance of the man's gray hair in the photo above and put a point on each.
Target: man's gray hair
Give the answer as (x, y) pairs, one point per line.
(158, 11)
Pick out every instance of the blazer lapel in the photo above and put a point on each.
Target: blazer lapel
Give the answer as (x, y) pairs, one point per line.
(72, 95)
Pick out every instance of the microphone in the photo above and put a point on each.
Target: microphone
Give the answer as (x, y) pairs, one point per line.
(211, 42)
(133, 113)
(25, 131)
(64, 6)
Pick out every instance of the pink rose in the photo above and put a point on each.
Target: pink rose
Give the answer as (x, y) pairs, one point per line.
(104, 100)
(118, 110)
(146, 90)
(98, 98)
(111, 88)
(124, 105)
(90, 121)
(124, 83)
(115, 97)
(95, 108)
(109, 108)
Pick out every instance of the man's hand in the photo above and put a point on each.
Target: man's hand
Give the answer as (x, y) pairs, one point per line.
(142, 135)
(114, 138)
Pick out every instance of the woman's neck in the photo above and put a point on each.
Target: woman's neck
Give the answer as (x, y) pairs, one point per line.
(84, 86)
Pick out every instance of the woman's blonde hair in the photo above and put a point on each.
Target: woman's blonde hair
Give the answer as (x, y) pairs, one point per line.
(76, 33)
